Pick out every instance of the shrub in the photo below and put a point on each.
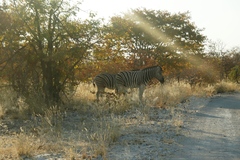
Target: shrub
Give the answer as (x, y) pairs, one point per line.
(225, 87)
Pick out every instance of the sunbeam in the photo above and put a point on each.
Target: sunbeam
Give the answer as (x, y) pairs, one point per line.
(192, 60)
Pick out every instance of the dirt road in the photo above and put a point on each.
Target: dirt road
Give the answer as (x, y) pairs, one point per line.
(211, 130)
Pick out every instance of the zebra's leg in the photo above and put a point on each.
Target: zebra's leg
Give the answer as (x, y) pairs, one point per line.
(97, 95)
(141, 90)
(121, 90)
(100, 91)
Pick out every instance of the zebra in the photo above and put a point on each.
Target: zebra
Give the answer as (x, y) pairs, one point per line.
(137, 79)
(104, 80)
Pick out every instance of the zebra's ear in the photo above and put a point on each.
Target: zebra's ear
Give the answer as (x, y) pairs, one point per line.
(160, 68)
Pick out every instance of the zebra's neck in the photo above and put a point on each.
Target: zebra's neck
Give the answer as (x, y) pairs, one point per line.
(147, 75)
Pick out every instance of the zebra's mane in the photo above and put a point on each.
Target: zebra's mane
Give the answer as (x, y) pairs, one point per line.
(149, 68)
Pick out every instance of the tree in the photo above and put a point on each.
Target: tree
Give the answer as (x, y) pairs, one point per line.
(222, 59)
(218, 52)
(44, 46)
(156, 37)
(235, 74)
(234, 64)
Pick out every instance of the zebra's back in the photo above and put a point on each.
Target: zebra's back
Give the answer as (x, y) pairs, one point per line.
(105, 80)
(130, 79)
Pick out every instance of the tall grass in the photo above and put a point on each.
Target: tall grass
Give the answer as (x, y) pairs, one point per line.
(86, 128)
(226, 87)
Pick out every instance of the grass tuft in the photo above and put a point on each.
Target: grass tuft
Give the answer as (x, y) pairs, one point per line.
(226, 87)
(26, 146)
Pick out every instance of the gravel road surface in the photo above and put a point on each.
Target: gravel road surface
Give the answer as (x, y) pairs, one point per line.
(211, 130)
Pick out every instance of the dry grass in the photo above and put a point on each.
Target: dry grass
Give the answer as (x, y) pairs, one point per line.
(87, 128)
(226, 87)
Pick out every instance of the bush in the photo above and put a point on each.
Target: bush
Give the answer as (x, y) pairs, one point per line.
(234, 74)
(225, 87)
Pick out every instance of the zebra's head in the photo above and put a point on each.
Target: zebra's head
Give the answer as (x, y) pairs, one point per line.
(159, 75)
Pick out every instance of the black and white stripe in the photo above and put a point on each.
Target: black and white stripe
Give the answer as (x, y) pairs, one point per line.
(104, 80)
(137, 79)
